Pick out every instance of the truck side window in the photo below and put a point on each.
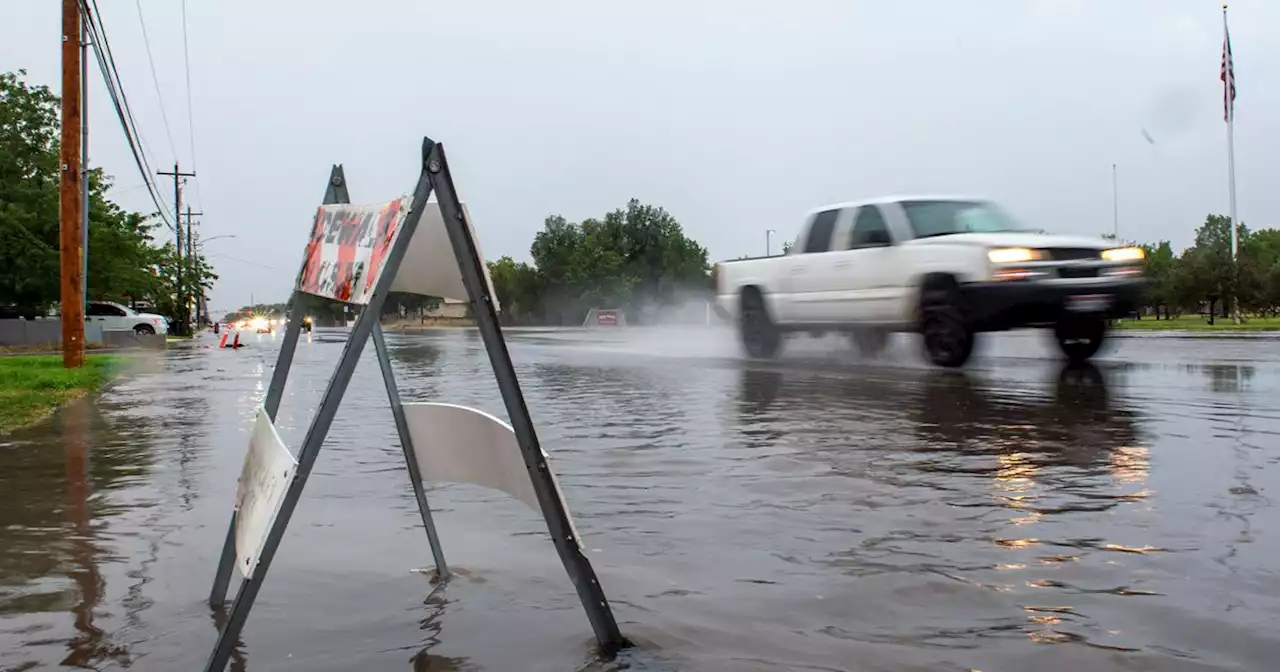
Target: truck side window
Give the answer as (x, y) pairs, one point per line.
(869, 229)
(819, 238)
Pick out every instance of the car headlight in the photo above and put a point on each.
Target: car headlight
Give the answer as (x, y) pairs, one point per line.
(1124, 254)
(1013, 255)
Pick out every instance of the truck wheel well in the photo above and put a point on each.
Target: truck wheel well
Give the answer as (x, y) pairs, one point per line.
(753, 291)
(937, 281)
(932, 282)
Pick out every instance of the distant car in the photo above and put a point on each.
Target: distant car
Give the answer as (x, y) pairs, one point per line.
(114, 316)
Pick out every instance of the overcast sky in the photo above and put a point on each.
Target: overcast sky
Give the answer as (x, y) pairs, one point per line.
(735, 116)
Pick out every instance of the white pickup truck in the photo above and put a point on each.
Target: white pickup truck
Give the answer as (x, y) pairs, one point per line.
(945, 267)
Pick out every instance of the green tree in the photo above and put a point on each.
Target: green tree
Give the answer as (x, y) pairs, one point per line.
(163, 289)
(633, 257)
(1209, 274)
(28, 195)
(1260, 271)
(1161, 264)
(124, 262)
(519, 287)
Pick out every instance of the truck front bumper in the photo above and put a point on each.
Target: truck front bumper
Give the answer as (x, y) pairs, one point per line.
(998, 306)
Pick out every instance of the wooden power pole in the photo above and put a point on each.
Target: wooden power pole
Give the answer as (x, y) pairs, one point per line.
(193, 279)
(70, 233)
(180, 293)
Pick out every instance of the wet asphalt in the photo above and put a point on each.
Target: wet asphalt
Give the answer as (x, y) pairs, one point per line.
(819, 512)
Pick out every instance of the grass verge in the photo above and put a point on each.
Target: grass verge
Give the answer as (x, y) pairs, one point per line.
(33, 386)
(1198, 323)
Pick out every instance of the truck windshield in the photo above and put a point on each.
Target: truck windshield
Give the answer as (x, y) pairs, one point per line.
(942, 218)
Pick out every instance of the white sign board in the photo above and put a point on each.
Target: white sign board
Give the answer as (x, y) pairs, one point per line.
(348, 248)
(268, 470)
(457, 444)
(429, 266)
(349, 244)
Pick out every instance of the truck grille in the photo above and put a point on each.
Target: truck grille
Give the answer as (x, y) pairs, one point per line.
(1074, 272)
(1072, 253)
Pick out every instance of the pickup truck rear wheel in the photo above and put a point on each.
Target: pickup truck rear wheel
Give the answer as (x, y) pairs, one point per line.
(760, 336)
(1080, 338)
(948, 337)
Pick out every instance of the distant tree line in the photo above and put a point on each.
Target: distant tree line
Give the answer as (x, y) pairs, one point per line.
(1202, 278)
(635, 259)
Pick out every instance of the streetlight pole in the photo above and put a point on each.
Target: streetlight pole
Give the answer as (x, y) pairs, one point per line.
(768, 242)
(1115, 204)
(194, 259)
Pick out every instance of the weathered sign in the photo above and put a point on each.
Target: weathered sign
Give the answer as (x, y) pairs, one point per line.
(268, 469)
(347, 248)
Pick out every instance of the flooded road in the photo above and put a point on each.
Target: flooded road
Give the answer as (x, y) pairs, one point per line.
(815, 513)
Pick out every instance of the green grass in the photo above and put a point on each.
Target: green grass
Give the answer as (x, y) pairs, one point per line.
(33, 386)
(1199, 323)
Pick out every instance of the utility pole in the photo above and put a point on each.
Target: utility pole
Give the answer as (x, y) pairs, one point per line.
(191, 267)
(182, 317)
(84, 157)
(69, 180)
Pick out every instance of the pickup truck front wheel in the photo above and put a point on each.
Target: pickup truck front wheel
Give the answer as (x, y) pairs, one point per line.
(760, 336)
(948, 337)
(1080, 338)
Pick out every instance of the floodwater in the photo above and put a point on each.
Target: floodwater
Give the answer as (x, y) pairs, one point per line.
(815, 513)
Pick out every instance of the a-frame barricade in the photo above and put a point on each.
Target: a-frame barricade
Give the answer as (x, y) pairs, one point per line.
(358, 254)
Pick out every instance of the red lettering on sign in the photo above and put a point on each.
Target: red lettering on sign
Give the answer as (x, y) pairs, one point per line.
(388, 222)
(311, 260)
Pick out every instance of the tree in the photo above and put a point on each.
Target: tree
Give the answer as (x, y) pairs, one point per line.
(1209, 275)
(125, 264)
(163, 286)
(29, 269)
(519, 288)
(1160, 273)
(632, 258)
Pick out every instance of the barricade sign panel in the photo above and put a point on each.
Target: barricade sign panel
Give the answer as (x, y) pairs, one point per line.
(268, 468)
(357, 254)
(429, 266)
(348, 246)
(458, 444)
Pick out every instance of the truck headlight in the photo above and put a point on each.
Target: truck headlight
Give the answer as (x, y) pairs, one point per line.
(1013, 255)
(1124, 254)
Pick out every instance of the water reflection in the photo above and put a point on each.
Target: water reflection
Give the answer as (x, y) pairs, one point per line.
(239, 659)
(1078, 424)
(1227, 377)
(432, 624)
(88, 646)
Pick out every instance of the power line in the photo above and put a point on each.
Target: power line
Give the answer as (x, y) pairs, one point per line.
(115, 89)
(155, 79)
(191, 123)
(246, 261)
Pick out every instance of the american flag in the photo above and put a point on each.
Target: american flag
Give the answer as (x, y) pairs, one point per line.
(1228, 77)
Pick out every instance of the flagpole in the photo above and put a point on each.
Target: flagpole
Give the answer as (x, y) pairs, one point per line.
(1231, 163)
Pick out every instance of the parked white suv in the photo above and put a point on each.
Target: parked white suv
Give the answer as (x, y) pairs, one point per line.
(945, 267)
(115, 316)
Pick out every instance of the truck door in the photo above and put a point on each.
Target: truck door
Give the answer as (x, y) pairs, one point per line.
(806, 276)
(867, 269)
